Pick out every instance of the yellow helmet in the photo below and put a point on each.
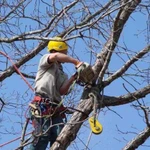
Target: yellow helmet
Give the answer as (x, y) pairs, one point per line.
(57, 45)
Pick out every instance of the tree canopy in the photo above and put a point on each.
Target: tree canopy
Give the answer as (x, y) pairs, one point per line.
(113, 36)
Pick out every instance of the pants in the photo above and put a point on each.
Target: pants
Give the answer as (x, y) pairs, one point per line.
(40, 143)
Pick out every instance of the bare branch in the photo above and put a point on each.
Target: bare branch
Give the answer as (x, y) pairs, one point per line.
(12, 10)
(8, 72)
(138, 140)
(109, 47)
(126, 66)
(128, 98)
(55, 18)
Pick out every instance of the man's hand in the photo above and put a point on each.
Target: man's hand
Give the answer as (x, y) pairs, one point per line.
(85, 73)
(78, 64)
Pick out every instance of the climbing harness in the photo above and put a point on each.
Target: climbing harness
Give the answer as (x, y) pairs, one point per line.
(42, 110)
(44, 107)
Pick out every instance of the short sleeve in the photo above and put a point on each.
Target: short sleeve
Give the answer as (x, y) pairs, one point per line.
(44, 61)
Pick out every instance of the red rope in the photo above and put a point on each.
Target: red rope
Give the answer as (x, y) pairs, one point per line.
(17, 70)
(13, 140)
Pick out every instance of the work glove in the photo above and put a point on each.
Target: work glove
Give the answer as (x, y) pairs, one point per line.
(85, 73)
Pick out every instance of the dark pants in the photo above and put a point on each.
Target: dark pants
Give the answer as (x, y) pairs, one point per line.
(41, 142)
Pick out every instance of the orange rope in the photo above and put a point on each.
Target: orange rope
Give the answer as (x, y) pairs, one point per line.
(17, 70)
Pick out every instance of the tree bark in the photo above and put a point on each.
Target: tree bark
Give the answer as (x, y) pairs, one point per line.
(68, 134)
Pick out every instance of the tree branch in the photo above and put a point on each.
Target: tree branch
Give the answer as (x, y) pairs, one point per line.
(138, 140)
(55, 18)
(109, 47)
(125, 99)
(126, 66)
(8, 72)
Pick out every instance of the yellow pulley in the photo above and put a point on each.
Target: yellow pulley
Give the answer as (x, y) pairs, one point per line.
(95, 125)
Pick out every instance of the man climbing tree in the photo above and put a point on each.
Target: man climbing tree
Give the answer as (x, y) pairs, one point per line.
(47, 111)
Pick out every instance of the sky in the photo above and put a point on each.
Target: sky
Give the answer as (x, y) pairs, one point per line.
(126, 120)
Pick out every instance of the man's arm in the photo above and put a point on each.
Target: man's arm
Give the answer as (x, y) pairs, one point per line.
(63, 58)
(65, 87)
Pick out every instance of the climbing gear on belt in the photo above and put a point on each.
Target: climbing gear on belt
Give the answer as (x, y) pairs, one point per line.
(43, 107)
(57, 45)
(95, 125)
(85, 74)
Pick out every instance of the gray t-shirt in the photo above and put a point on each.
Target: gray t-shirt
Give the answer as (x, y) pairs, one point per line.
(49, 79)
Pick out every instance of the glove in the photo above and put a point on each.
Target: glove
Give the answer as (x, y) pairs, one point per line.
(85, 73)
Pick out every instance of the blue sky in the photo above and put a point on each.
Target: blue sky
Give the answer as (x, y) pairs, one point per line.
(110, 139)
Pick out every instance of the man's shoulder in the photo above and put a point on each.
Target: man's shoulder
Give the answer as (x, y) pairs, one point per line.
(44, 56)
(44, 60)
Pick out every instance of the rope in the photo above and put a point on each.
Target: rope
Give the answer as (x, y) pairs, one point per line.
(4, 144)
(17, 70)
(95, 108)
